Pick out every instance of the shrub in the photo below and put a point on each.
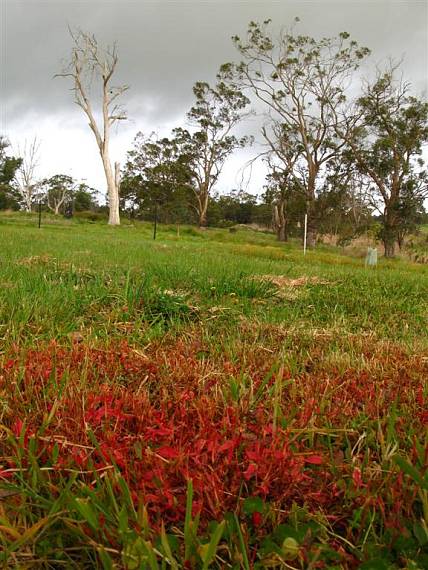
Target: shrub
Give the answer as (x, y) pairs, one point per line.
(87, 216)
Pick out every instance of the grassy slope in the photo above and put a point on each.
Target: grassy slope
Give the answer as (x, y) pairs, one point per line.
(196, 322)
(70, 277)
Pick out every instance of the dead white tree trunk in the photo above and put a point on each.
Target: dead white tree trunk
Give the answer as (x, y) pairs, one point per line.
(26, 174)
(89, 62)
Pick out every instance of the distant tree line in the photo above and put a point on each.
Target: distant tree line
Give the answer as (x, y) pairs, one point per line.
(344, 152)
(60, 194)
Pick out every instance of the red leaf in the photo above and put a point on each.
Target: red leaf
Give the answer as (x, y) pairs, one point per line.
(253, 455)
(230, 444)
(257, 519)
(17, 427)
(158, 431)
(168, 452)
(357, 479)
(251, 471)
(314, 459)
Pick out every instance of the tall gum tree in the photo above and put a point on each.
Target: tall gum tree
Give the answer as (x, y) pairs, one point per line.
(214, 115)
(298, 80)
(89, 64)
(386, 144)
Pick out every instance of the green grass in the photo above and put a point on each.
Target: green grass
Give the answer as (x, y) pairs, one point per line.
(70, 277)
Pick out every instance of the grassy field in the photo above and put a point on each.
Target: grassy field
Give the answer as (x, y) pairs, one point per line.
(208, 400)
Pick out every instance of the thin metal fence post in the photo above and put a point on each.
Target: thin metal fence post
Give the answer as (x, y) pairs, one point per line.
(156, 220)
(304, 235)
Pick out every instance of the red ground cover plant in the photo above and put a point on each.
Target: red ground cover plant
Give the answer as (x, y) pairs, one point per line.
(166, 415)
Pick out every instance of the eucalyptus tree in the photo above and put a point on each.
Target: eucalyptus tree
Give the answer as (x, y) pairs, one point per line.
(343, 203)
(386, 144)
(298, 80)
(57, 190)
(85, 198)
(216, 112)
(89, 65)
(280, 193)
(157, 173)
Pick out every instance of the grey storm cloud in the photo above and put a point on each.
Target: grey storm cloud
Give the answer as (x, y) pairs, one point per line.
(165, 46)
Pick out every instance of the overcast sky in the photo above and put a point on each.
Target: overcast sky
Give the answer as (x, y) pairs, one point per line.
(164, 47)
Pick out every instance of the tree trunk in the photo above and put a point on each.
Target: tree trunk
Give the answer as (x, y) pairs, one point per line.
(279, 220)
(389, 248)
(114, 215)
(389, 241)
(311, 236)
(312, 225)
(112, 191)
(28, 202)
(203, 207)
(389, 232)
(312, 222)
(281, 234)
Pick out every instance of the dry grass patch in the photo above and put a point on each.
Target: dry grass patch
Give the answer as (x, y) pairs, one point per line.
(289, 288)
(44, 259)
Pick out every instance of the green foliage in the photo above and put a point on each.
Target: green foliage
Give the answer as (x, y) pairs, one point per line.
(157, 176)
(56, 190)
(88, 216)
(216, 112)
(8, 166)
(235, 208)
(387, 147)
(179, 173)
(85, 198)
